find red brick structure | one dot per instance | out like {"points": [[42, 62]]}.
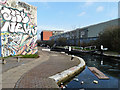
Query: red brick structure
{"points": [[45, 35]]}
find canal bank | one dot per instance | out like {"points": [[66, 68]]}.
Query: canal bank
{"points": [[108, 54], [109, 66], [92, 52], [69, 73]]}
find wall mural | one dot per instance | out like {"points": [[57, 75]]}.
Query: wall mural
{"points": [[3, 1], [18, 33]]}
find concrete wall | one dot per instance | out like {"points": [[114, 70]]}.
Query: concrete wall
{"points": [[18, 28]]}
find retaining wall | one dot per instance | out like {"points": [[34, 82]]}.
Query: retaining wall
{"points": [[67, 74]]}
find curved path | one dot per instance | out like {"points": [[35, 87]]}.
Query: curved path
{"points": [[11, 75], [38, 77]]}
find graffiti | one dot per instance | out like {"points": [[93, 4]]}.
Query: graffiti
{"points": [[18, 33], [26, 6], [3, 1], [16, 21]]}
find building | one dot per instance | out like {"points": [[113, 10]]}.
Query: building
{"points": [[18, 28], [57, 32], [86, 34], [46, 34]]}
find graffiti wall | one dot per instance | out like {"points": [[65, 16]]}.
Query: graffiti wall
{"points": [[18, 28], [0, 45]]}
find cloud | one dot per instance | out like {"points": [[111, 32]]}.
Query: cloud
{"points": [[82, 13], [88, 3], [100, 9]]}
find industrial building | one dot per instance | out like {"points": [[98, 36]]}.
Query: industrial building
{"points": [[18, 24], [86, 34], [46, 34]]}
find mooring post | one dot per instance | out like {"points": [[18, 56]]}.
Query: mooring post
{"points": [[101, 49]]}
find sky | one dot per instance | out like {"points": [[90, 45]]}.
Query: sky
{"points": [[71, 15]]}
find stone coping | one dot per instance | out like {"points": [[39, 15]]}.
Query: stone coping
{"points": [[71, 72]]}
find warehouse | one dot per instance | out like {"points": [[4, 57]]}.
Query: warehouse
{"points": [[85, 34]]}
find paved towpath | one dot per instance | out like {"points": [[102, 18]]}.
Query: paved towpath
{"points": [[35, 73], [11, 73]]}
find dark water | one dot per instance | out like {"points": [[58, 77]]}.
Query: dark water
{"points": [[109, 66]]}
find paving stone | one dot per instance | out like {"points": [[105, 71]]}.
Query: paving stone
{"points": [[38, 77], [8, 85], [35, 74]]}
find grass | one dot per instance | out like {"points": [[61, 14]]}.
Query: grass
{"points": [[25, 56], [30, 56]]}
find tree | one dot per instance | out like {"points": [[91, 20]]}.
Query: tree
{"points": [[39, 42], [110, 38], [62, 41], [51, 42]]}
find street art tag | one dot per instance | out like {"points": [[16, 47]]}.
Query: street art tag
{"points": [[3, 1], [18, 32], [16, 21]]}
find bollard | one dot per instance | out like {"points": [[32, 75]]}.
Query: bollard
{"points": [[3, 61], [18, 59]]}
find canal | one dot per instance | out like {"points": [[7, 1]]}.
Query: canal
{"points": [[109, 66]]}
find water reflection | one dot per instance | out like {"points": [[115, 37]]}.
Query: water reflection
{"points": [[109, 66], [102, 62]]}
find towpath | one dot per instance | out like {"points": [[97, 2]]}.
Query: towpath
{"points": [[35, 74]]}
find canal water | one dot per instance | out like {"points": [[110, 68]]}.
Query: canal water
{"points": [[109, 66]]}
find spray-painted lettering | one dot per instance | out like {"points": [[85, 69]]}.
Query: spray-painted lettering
{"points": [[18, 33], [16, 21]]}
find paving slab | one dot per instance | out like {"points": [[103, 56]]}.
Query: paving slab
{"points": [[11, 75], [36, 73], [38, 77]]}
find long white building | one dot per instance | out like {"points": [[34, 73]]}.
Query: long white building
{"points": [[86, 34]]}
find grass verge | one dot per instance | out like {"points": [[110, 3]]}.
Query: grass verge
{"points": [[24, 56]]}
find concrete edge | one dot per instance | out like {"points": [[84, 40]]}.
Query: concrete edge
{"points": [[45, 49], [69, 73]]}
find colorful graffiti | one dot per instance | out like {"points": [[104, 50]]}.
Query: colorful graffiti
{"points": [[18, 33], [3, 1]]}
